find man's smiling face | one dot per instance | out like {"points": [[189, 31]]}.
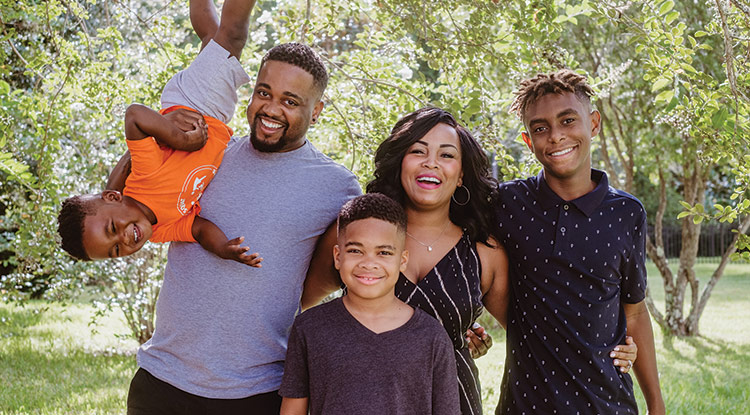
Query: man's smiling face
{"points": [[284, 104], [560, 127]]}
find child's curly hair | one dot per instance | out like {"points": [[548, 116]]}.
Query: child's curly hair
{"points": [[70, 225], [558, 82], [372, 205]]}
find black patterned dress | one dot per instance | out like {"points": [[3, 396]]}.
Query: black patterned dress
{"points": [[451, 293]]}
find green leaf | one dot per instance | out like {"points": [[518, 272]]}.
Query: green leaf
{"points": [[672, 104], [697, 219], [671, 17], [717, 121], [701, 33], [666, 7], [683, 214], [665, 96], [4, 87], [685, 204], [660, 83]]}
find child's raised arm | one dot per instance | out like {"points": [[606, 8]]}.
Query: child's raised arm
{"points": [[142, 122], [214, 240]]}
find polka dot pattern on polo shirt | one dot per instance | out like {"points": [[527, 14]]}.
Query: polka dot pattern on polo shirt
{"points": [[572, 264]]}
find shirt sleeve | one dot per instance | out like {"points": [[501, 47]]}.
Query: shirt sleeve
{"points": [[295, 382], [444, 377], [146, 156], [180, 230], [633, 271]]}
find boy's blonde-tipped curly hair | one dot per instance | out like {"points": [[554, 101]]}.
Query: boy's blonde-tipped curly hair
{"points": [[558, 82]]}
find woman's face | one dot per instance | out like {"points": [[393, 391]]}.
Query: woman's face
{"points": [[431, 168]]}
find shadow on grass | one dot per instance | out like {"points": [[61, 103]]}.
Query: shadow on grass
{"points": [[701, 375]]}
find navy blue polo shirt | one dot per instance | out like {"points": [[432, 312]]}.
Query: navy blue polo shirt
{"points": [[572, 265]]}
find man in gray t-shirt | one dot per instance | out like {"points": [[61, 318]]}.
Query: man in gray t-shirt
{"points": [[222, 327]]}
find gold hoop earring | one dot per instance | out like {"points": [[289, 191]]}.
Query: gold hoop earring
{"points": [[468, 196]]}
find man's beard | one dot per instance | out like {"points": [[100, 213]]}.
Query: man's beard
{"points": [[266, 147]]}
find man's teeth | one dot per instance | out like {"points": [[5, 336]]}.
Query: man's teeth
{"points": [[270, 124], [135, 234], [561, 152], [429, 179]]}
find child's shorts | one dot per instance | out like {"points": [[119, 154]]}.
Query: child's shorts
{"points": [[209, 85]]}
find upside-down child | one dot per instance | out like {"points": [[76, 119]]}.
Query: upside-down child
{"points": [[171, 166], [368, 352]]}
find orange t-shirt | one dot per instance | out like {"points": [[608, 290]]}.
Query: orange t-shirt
{"points": [[170, 182]]}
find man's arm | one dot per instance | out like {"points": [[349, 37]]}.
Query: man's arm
{"points": [[204, 19], [235, 23], [213, 239], [639, 326], [322, 277], [142, 122]]}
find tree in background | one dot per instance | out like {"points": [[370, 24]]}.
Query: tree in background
{"points": [[672, 85]]}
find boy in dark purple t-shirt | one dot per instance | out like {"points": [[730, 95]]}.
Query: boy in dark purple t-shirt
{"points": [[368, 352]]}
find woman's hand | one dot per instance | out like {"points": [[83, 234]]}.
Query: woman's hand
{"points": [[479, 341], [625, 355]]}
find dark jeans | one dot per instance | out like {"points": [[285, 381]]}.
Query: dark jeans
{"points": [[150, 396]]}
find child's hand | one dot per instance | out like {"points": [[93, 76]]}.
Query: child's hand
{"points": [[197, 137], [233, 250]]}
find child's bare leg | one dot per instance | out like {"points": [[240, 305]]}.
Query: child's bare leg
{"points": [[235, 23], [204, 19]]}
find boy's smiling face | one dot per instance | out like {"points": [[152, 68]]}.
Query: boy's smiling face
{"points": [[560, 127], [118, 228], [369, 256]]}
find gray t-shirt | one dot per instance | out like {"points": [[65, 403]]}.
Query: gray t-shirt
{"points": [[221, 326], [344, 368]]}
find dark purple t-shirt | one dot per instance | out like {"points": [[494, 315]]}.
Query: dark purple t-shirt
{"points": [[571, 266], [344, 368]]}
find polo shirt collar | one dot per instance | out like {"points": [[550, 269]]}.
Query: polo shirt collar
{"points": [[586, 203]]}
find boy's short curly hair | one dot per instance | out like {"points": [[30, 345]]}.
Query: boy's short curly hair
{"points": [[558, 82], [301, 56], [70, 225], [372, 205]]}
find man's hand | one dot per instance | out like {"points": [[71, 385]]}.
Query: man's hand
{"points": [[479, 341], [234, 250], [185, 119]]}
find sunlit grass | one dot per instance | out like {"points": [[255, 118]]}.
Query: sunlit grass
{"points": [[52, 363]]}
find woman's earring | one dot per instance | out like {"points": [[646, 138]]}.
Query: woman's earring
{"points": [[468, 196]]}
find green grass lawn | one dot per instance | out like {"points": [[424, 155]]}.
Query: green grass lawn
{"points": [[51, 363]]}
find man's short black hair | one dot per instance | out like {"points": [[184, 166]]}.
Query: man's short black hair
{"points": [[70, 225], [372, 205], [301, 56]]}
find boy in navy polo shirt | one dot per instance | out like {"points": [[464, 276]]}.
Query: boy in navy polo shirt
{"points": [[577, 266]]}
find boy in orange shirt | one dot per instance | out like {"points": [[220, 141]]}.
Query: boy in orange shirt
{"points": [[171, 167]]}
